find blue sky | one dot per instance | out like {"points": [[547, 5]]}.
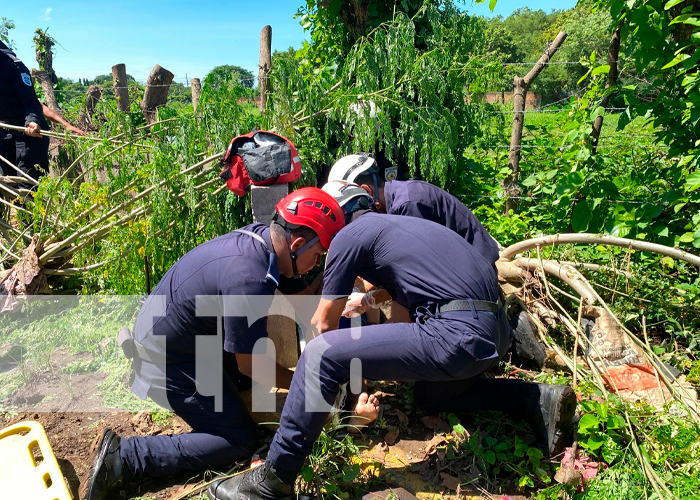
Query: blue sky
{"points": [[187, 37]]}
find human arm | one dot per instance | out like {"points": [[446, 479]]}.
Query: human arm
{"points": [[327, 315], [57, 118], [282, 378]]}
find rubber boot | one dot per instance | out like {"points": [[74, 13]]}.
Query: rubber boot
{"points": [[526, 345], [552, 419], [260, 483], [106, 472]]}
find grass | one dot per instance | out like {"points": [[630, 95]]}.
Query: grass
{"points": [[73, 325]]}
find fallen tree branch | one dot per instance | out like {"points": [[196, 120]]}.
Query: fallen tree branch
{"points": [[592, 239]]}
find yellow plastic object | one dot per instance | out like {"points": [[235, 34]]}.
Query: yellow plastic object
{"points": [[28, 467]]}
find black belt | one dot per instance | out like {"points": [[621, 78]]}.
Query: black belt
{"points": [[469, 305]]}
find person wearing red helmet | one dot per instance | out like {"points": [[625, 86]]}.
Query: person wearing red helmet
{"points": [[249, 263]]}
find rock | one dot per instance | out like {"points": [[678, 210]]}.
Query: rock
{"points": [[568, 475]]}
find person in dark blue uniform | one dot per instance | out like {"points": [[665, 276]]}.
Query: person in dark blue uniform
{"points": [[415, 199], [203, 288], [19, 106], [459, 330], [423, 200]]}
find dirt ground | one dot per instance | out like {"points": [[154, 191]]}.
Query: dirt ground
{"points": [[403, 445], [70, 407]]}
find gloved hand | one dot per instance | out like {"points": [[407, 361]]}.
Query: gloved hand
{"points": [[359, 303]]}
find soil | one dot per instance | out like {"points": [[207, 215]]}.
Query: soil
{"points": [[404, 444], [71, 434]]}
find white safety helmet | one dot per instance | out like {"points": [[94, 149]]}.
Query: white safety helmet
{"points": [[349, 167], [350, 197]]}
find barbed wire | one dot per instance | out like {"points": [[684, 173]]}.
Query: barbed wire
{"points": [[545, 198], [558, 110], [620, 145]]}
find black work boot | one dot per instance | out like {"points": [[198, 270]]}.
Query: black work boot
{"points": [[260, 483], [552, 418], [526, 345], [106, 472]]}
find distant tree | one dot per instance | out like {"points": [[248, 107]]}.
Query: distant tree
{"points": [[245, 77], [43, 45], [5, 26], [526, 27]]}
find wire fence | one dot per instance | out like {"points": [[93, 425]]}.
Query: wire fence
{"points": [[550, 108]]}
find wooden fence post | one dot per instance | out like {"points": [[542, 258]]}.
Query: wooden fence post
{"points": [[613, 55], [265, 64], [121, 87], [511, 184], [196, 86], [91, 97], [44, 78], [156, 93]]}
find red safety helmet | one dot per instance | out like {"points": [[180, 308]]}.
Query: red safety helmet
{"points": [[314, 208]]}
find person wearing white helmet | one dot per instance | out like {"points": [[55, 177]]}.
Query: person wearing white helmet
{"points": [[350, 197], [423, 200]]}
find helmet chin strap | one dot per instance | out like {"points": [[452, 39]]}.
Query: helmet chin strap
{"points": [[377, 204], [293, 254]]}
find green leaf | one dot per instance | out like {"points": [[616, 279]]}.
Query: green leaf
{"points": [[596, 441], [667, 261], [592, 57], [492, 5], [604, 68], [489, 457], [530, 181], [692, 182], [672, 3], [334, 8], [581, 216], [676, 60], [686, 238], [583, 77], [588, 421]]}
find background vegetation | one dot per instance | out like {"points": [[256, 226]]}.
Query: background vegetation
{"points": [[405, 79]]}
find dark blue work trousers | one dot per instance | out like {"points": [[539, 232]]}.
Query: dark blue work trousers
{"points": [[218, 438], [454, 346]]}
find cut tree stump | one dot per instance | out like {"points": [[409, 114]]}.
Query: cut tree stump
{"points": [[156, 93]]}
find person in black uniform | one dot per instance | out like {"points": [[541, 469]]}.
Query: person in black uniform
{"points": [[19, 106]]}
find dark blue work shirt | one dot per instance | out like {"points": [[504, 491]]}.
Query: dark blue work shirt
{"points": [[234, 264], [418, 262], [426, 201]]}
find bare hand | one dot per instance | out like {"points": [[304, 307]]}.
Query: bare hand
{"points": [[33, 129], [76, 130]]}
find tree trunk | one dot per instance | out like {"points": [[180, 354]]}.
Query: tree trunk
{"points": [[265, 64], [47, 87], [196, 86], [91, 98], [121, 87], [156, 93], [613, 54], [511, 184]]}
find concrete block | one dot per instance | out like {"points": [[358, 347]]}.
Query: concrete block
{"points": [[263, 200], [281, 330]]}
